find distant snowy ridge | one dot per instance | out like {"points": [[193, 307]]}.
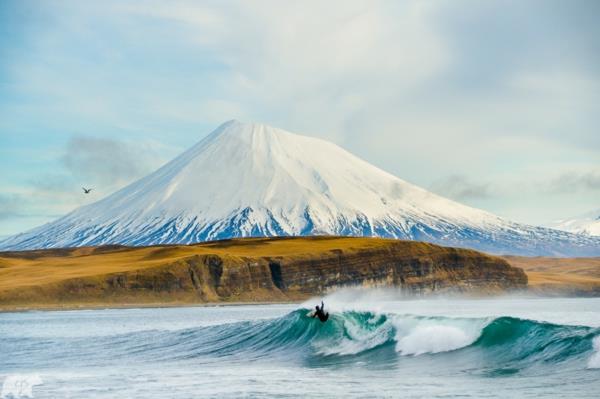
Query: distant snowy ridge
{"points": [[255, 180], [588, 223]]}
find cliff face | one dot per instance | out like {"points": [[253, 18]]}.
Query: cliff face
{"points": [[261, 270]]}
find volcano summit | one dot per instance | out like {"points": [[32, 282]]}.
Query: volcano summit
{"points": [[255, 180]]}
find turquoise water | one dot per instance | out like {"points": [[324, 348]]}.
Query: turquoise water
{"points": [[372, 346]]}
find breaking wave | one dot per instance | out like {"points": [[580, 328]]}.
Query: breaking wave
{"points": [[499, 345]]}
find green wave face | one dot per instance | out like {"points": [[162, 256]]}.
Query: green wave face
{"points": [[484, 346], [490, 346]]}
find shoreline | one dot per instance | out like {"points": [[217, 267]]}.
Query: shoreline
{"points": [[531, 293], [263, 271], [242, 271], [142, 305]]}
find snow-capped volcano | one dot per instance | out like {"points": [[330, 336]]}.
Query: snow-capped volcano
{"points": [[588, 223], [256, 180]]}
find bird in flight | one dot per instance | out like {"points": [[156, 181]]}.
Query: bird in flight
{"points": [[86, 190]]}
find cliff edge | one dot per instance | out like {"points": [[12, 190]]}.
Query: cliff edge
{"points": [[253, 269]]}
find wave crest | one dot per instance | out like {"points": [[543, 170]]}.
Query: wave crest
{"points": [[504, 342], [594, 362]]}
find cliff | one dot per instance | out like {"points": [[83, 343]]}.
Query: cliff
{"points": [[255, 269]]}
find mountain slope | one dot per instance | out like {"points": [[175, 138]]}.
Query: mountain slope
{"points": [[255, 180], [588, 223]]}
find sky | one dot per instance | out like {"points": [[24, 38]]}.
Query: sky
{"points": [[494, 104]]}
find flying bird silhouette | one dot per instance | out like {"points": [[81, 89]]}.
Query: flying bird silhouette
{"points": [[86, 190]]}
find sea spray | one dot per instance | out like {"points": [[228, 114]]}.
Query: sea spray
{"points": [[594, 362], [433, 336], [517, 348], [509, 341], [355, 332]]}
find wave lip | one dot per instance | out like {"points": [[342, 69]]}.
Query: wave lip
{"points": [[434, 338], [351, 333], [502, 345], [507, 343], [594, 362]]}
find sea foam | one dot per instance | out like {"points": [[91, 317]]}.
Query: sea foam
{"points": [[594, 362], [417, 336]]}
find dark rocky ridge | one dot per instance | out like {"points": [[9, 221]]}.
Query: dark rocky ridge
{"points": [[417, 268]]}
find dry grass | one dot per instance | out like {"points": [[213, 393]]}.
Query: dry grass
{"points": [[35, 268], [568, 275]]}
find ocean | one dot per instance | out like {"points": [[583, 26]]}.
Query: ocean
{"points": [[374, 345]]}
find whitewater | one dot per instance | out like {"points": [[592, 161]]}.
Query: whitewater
{"points": [[373, 346]]}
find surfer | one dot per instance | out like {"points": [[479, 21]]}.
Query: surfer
{"points": [[320, 313]]}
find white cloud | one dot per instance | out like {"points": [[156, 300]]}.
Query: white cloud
{"points": [[426, 90]]}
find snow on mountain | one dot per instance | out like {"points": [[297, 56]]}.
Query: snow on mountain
{"points": [[588, 223], [256, 180]]}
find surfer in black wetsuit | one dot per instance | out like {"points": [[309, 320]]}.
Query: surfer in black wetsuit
{"points": [[320, 313]]}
